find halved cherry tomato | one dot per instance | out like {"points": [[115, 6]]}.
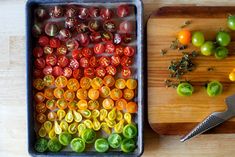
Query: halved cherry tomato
{"points": [[51, 104], [72, 105], [93, 104], [94, 12], [48, 80], [52, 116], [38, 84], [184, 37], [109, 80], [87, 52], [77, 54], [109, 47], [118, 50], [40, 63], [100, 72], [97, 83], [83, 39], [39, 97], [126, 61], [77, 73], [72, 44], [93, 62], [95, 37], [111, 70], [60, 114], [37, 73], [129, 51], [47, 50], [62, 50], [106, 13], [43, 40], [41, 118], [61, 82], [82, 93], [69, 95], [67, 72], [85, 82], [121, 104], [84, 62], [99, 48], [108, 103], [74, 64], [126, 72], [104, 61], [48, 93], [38, 52], [51, 59], [73, 84], [58, 93], [54, 43], [123, 11], [47, 70], [104, 91], [131, 84], [93, 94], [131, 107], [116, 94], [41, 108], [63, 61], [57, 71], [61, 104], [89, 72], [82, 104], [128, 94], [120, 83], [115, 60]]}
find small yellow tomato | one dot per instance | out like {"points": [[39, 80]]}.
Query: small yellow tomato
{"points": [[93, 94]]}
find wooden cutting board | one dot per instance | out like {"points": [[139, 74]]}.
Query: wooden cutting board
{"points": [[168, 113]]}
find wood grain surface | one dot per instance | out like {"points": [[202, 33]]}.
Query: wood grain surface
{"points": [[13, 102]]}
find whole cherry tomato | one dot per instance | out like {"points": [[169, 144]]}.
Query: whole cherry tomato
{"points": [[74, 64], [99, 48], [109, 47], [77, 73], [104, 61], [63, 61], [40, 63], [61, 82], [47, 70], [95, 37], [126, 61], [72, 44], [48, 50], [121, 104], [93, 62], [38, 52], [109, 26], [37, 73], [111, 70], [129, 51], [108, 103], [104, 91], [43, 41], [109, 80], [73, 84], [97, 83], [93, 94], [76, 54], [87, 52], [120, 83], [118, 50], [83, 39], [54, 43], [106, 13], [126, 27], [38, 84], [116, 94], [82, 104], [51, 59], [67, 72], [51, 104], [184, 37], [123, 10], [93, 104], [89, 72], [61, 104], [39, 97], [128, 94], [100, 72], [58, 92], [41, 118], [131, 84], [49, 93], [82, 93], [69, 95], [85, 82], [115, 60], [84, 62], [94, 12], [48, 80], [57, 71], [126, 72], [51, 116], [41, 108]]}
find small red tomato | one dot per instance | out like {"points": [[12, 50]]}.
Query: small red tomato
{"points": [[87, 52], [57, 71], [54, 43], [94, 25], [89, 72], [43, 41], [84, 62], [63, 61], [109, 26], [64, 34], [115, 60], [109, 47], [77, 73], [48, 50], [40, 63], [71, 12], [117, 39], [125, 27], [72, 44], [37, 52], [104, 61], [111, 70], [81, 28], [37, 73], [47, 70], [107, 36], [95, 37], [100, 72], [51, 59], [123, 10], [93, 62], [129, 51], [70, 23], [77, 54], [126, 72], [74, 64], [99, 48], [56, 11], [126, 61], [118, 50], [106, 13], [83, 39], [83, 13], [127, 38], [94, 12], [67, 72], [62, 50]]}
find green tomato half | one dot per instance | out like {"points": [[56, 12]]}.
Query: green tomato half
{"points": [[214, 88], [65, 138], [128, 145], [78, 145], [41, 145], [129, 131], [101, 145], [54, 145], [88, 135], [115, 140], [185, 89]]}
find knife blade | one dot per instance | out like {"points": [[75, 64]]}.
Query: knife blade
{"points": [[213, 119]]}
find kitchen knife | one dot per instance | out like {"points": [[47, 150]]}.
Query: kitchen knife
{"points": [[213, 119]]}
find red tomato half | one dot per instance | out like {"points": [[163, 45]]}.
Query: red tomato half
{"points": [[123, 10], [126, 72], [67, 72], [115, 60], [89, 72], [47, 70], [54, 43], [119, 50], [106, 13], [99, 48], [87, 52], [109, 47], [63, 61], [126, 61], [38, 52], [93, 62], [111, 70], [76, 54], [77, 73], [74, 64], [43, 41], [84, 62], [100, 72], [57, 71], [51, 59], [104, 61], [129, 51], [37, 73], [40, 63]]}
